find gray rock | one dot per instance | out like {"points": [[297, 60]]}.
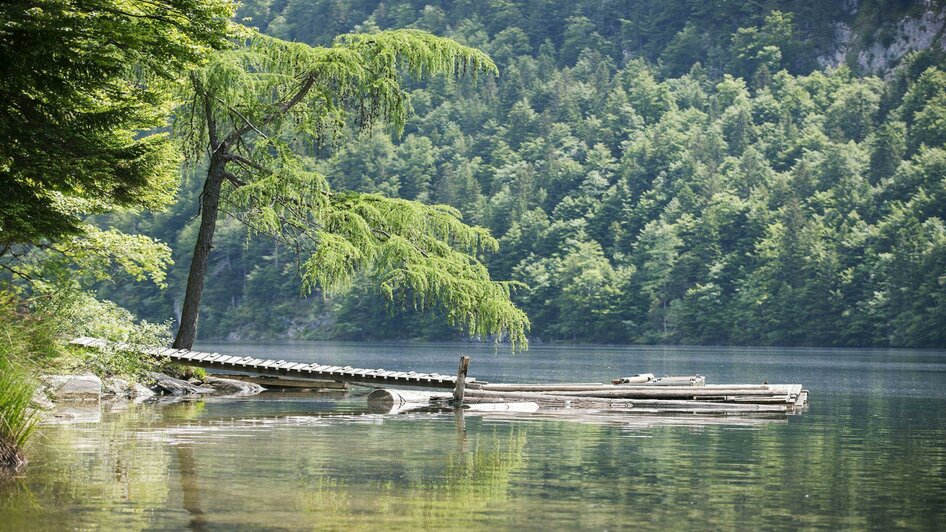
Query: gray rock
{"points": [[116, 388], [40, 400], [233, 386], [142, 392], [85, 387], [167, 385], [119, 388]]}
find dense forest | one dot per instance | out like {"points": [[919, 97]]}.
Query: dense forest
{"points": [[653, 171]]}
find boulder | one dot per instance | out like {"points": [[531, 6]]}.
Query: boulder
{"points": [[117, 388], [167, 385], [233, 386], [86, 387], [142, 392]]}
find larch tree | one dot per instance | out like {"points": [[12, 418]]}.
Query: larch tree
{"points": [[250, 111]]}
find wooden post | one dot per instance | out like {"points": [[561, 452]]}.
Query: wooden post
{"points": [[461, 380]]}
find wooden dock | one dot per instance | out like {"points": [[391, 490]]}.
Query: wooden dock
{"points": [[294, 370], [638, 394]]}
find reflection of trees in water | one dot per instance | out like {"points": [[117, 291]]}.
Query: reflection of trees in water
{"points": [[853, 463], [475, 480], [190, 489], [102, 468]]}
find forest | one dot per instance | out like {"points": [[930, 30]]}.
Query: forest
{"points": [[630, 172], [654, 172]]}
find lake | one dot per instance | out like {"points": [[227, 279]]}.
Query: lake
{"points": [[869, 453]]}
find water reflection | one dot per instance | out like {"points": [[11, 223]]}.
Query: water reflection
{"points": [[190, 490], [294, 460]]}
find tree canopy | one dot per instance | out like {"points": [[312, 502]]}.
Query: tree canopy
{"points": [[81, 82], [251, 109], [696, 176]]}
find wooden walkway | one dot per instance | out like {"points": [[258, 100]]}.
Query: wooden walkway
{"points": [[296, 370]]}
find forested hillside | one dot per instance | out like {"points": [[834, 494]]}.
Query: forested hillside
{"points": [[654, 171]]}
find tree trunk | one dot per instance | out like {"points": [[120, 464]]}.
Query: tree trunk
{"points": [[210, 203]]}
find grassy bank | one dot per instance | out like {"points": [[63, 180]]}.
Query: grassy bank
{"points": [[17, 419], [26, 340], [33, 340]]}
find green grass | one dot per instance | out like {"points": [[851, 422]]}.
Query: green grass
{"points": [[18, 420], [26, 342], [33, 339]]}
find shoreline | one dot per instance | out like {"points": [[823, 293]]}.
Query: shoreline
{"points": [[77, 398]]}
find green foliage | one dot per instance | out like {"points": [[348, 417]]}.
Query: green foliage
{"points": [[749, 198], [17, 419], [81, 314], [252, 105], [25, 342], [81, 83]]}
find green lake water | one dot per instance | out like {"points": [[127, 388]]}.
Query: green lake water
{"points": [[869, 453]]}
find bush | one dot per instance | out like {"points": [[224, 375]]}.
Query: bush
{"points": [[70, 314]]}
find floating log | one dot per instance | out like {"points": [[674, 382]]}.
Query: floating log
{"points": [[386, 398], [696, 380], [648, 379], [635, 379]]}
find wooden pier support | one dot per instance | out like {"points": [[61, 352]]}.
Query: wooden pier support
{"points": [[461, 380]]}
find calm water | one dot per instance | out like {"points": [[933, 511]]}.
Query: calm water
{"points": [[869, 453]]}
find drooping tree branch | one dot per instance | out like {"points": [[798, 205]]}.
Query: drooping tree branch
{"points": [[278, 92]]}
